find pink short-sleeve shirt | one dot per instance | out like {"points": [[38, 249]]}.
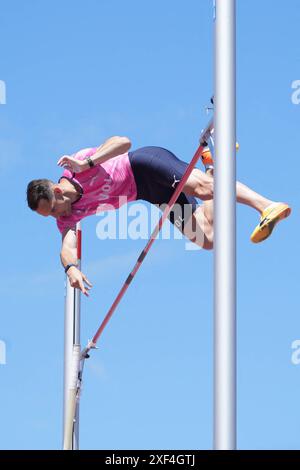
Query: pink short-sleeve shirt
{"points": [[106, 186]]}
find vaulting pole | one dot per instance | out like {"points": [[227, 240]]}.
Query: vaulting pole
{"points": [[225, 228], [72, 356]]}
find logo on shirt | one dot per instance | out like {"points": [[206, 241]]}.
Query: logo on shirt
{"points": [[105, 189], [175, 181], [102, 192]]}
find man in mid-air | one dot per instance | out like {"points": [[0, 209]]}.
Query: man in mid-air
{"points": [[103, 178]]}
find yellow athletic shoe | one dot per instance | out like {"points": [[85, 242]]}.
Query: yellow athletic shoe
{"points": [[269, 218]]}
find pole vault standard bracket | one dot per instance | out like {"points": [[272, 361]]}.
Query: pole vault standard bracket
{"points": [[208, 109], [206, 133]]}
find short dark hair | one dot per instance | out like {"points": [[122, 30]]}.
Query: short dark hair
{"points": [[38, 189]]}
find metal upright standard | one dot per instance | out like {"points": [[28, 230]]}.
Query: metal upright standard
{"points": [[72, 359], [225, 229]]}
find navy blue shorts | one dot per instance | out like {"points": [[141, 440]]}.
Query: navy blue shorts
{"points": [[157, 172]]}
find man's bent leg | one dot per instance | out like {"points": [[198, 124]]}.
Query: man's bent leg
{"points": [[198, 228], [270, 212], [201, 185]]}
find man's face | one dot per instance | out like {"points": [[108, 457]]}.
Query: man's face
{"points": [[59, 206]]}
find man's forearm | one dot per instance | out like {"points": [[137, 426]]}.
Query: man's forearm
{"points": [[110, 149], [68, 256]]}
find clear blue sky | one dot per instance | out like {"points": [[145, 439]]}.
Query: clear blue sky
{"points": [[77, 73]]}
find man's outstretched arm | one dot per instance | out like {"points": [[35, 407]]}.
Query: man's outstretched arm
{"points": [[111, 148], [68, 255]]}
